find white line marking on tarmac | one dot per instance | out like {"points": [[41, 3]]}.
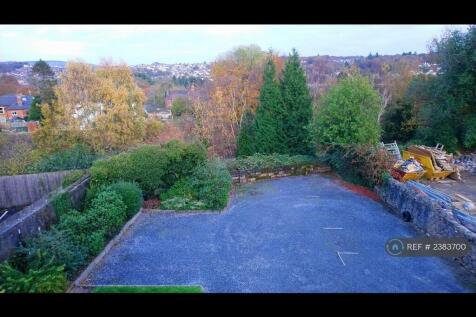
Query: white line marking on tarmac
{"points": [[344, 252]]}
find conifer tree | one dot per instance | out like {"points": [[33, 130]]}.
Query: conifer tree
{"points": [[268, 125], [246, 140], [297, 106]]}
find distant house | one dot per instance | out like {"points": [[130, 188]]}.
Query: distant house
{"points": [[14, 107], [154, 111], [170, 96], [165, 114]]}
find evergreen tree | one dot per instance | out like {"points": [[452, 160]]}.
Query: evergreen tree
{"points": [[43, 77], [35, 112], [245, 142], [297, 106], [268, 126]]}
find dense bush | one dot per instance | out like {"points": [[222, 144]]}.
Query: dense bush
{"points": [[365, 165], [154, 168], [207, 188], [77, 157], [42, 277], [58, 245], [260, 161], [61, 204], [131, 196], [99, 222]]}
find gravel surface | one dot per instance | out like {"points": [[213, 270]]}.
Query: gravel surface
{"points": [[295, 234]]}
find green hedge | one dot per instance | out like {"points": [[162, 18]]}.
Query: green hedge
{"points": [[154, 168], [261, 161], [207, 188], [131, 196]]}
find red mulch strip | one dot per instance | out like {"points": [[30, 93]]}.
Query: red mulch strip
{"points": [[153, 203], [360, 190]]}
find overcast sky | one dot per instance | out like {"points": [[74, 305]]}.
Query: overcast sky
{"points": [[136, 44]]}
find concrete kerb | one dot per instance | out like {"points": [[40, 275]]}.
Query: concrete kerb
{"points": [[95, 262]]}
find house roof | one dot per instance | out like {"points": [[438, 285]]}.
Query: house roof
{"points": [[150, 108], [10, 101]]}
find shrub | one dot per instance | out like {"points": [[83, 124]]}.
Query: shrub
{"points": [[107, 213], [470, 133], [182, 203], [154, 168], [206, 188], [366, 165], [58, 245], [77, 157], [95, 225], [72, 177], [261, 161], [45, 277], [131, 196], [61, 204]]}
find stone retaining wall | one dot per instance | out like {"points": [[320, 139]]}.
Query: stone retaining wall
{"points": [[254, 175], [34, 218], [427, 216]]}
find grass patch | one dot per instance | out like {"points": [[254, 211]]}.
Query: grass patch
{"points": [[148, 289]]}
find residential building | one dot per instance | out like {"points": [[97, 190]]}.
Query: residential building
{"points": [[14, 107]]}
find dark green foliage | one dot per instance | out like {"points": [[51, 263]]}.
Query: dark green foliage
{"points": [[43, 77], [58, 245], [271, 118], [42, 277], [246, 138], [399, 122], [77, 157], [107, 213], [263, 162], [348, 114], [153, 168], [448, 101], [102, 220], [366, 165], [61, 204], [469, 140], [297, 106], [207, 188], [34, 114], [131, 196]]}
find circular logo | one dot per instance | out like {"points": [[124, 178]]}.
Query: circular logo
{"points": [[394, 247]]}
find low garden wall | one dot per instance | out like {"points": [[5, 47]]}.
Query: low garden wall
{"points": [[260, 174], [34, 218], [427, 216]]}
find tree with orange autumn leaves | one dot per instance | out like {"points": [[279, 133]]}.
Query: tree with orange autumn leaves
{"points": [[236, 79], [102, 107]]}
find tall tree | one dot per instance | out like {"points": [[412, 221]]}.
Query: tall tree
{"points": [[270, 117], [233, 91], [447, 101], [297, 106], [348, 114], [43, 77], [102, 107]]}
